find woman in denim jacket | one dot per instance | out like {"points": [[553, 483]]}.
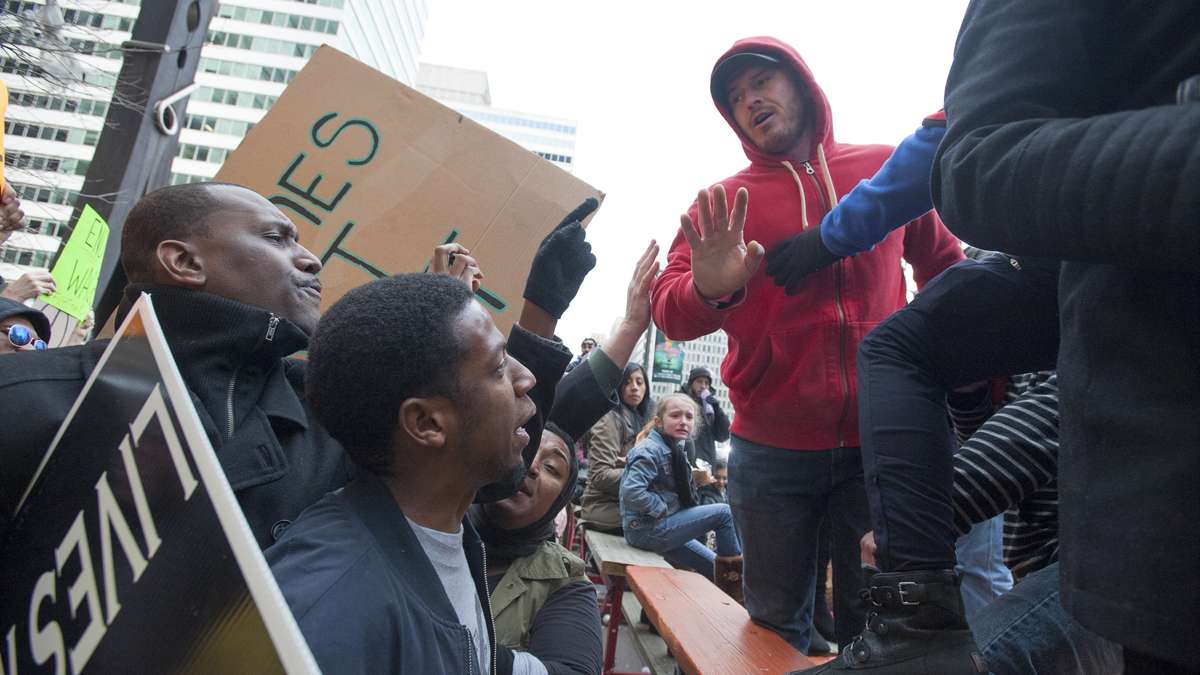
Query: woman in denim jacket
{"points": [[659, 509]]}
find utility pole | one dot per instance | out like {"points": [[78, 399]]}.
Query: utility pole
{"points": [[648, 357], [141, 130]]}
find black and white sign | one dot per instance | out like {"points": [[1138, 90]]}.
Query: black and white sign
{"points": [[129, 552]]}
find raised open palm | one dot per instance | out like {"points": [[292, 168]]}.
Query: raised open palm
{"points": [[722, 261]]}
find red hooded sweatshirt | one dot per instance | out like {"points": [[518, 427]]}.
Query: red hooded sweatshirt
{"points": [[790, 367]]}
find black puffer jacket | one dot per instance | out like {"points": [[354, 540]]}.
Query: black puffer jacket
{"points": [[1066, 141]]}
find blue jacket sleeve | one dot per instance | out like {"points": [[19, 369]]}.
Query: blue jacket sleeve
{"points": [[896, 194], [636, 494]]}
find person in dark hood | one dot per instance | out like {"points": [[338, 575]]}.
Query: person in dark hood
{"points": [[712, 426], [25, 328], [795, 457], [542, 601], [608, 443]]}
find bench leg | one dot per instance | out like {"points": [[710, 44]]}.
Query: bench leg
{"points": [[569, 532], [583, 555], [616, 617], [581, 541]]}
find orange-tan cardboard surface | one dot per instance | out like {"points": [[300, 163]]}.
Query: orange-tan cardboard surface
{"points": [[375, 174]]}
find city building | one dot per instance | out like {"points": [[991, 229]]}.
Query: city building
{"points": [[467, 91], [254, 49], [707, 351]]}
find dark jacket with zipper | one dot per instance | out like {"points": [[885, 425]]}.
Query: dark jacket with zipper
{"points": [[358, 581], [365, 594], [249, 397], [1066, 141]]}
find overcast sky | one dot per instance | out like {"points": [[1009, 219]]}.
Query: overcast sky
{"points": [[634, 75]]}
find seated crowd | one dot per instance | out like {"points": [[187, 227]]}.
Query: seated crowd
{"points": [[976, 516]]}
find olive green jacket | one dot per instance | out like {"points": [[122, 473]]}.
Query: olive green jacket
{"points": [[526, 586]]}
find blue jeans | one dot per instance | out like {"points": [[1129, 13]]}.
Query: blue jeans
{"points": [[980, 554], [1027, 631], [779, 498], [675, 537]]}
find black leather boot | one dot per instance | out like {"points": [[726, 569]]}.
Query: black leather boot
{"points": [[915, 626]]}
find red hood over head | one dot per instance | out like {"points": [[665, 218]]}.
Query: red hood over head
{"points": [[822, 120]]}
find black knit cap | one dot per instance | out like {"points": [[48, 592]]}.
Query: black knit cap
{"points": [[10, 308], [697, 373]]}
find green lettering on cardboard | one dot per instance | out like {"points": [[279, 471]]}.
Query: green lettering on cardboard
{"points": [[309, 193], [345, 125]]}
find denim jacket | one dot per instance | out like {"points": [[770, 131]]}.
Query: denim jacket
{"points": [[648, 483]]}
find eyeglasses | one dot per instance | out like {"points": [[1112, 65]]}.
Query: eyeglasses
{"points": [[20, 337]]}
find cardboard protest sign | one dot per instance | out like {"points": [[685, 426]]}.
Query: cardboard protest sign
{"points": [[128, 552], [375, 174]]}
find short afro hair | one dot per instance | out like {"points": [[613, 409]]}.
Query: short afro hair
{"points": [[174, 212], [381, 344]]}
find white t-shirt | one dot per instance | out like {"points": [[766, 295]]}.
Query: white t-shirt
{"points": [[445, 552]]}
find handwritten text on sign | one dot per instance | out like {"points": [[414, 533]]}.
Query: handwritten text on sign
{"points": [[305, 202], [77, 269]]}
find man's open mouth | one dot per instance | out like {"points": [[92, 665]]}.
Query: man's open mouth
{"points": [[761, 117]]}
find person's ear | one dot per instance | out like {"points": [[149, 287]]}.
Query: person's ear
{"points": [[425, 421], [179, 264]]}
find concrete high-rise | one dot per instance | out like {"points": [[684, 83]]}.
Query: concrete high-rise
{"points": [[468, 92], [708, 351], [254, 49]]}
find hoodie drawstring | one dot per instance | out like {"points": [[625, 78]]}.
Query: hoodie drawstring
{"points": [[800, 188], [833, 198], [830, 192]]}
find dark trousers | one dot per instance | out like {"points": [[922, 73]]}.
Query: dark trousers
{"points": [[976, 320], [779, 498]]}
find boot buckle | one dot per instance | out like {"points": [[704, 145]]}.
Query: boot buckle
{"points": [[907, 588]]}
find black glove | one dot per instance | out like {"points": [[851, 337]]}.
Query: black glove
{"points": [[796, 258], [562, 262]]}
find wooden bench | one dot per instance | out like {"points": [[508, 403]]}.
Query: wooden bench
{"points": [[706, 631], [613, 555]]}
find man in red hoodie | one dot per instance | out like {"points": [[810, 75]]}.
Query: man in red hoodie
{"points": [[790, 368]]}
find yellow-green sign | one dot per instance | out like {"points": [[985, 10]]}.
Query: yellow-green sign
{"points": [[77, 270]]}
